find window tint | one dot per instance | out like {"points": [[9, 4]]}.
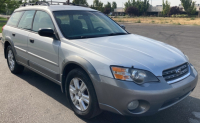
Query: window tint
{"points": [[42, 21], [26, 20], [14, 19], [86, 24], [81, 19]]}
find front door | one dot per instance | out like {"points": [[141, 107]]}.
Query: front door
{"points": [[43, 51]]}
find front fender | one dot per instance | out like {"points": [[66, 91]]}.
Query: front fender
{"points": [[84, 64]]}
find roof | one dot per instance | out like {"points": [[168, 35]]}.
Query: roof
{"points": [[55, 8]]}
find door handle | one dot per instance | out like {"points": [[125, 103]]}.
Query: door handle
{"points": [[31, 40], [13, 34]]}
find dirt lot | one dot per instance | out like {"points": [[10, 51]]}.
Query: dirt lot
{"points": [[161, 20]]}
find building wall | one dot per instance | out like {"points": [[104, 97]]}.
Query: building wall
{"points": [[157, 8]]}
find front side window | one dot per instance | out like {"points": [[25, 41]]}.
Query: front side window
{"points": [[14, 19], [26, 20], [86, 24], [42, 21]]}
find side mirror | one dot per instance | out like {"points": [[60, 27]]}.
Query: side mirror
{"points": [[46, 33], [123, 27]]}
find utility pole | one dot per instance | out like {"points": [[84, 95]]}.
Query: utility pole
{"points": [[199, 13]]}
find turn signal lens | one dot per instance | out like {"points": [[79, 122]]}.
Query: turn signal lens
{"points": [[121, 73], [132, 74]]}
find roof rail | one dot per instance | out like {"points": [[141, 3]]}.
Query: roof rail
{"points": [[48, 3], [65, 3], [43, 3]]}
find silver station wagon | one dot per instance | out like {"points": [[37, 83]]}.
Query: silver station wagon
{"points": [[97, 63]]}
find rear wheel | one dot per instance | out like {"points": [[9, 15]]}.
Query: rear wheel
{"points": [[81, 94], [12, 64]]}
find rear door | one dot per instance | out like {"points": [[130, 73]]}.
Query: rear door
{"points": [[43, 51], [20, 36]]}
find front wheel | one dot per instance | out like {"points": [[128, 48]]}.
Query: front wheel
{"points": [[12, 64], [81, 94]]}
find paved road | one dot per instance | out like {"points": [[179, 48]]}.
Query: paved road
{"points": [[4, 16], [31, 98]]}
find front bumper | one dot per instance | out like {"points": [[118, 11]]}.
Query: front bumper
{"points": [[114, 95]]}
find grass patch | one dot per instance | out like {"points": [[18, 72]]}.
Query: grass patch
{"points": [[161, 20], [3, 19], [176, 24], [139, 21], [1, 25], [195, 24]]}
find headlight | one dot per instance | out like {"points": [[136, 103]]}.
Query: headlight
{"points": [[131, 74]]}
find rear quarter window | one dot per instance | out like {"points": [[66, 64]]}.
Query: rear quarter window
{"points": [[14, 19], [26, 20]]}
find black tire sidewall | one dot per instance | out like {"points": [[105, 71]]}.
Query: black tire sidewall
{"points": [[78, 73], [10, 48]]}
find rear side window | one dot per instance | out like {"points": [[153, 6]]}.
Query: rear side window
{"points": [[26, 20], [14, 19], [42, 20]]}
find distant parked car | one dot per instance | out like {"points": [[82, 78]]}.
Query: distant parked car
{"points": [[97, 63]]}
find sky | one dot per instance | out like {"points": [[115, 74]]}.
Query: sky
{"points": [[120, 3]]}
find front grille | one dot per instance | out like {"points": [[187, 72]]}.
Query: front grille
{"points": [[176, 73]]}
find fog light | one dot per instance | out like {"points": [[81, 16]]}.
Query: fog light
{"points": [[133, 105]]}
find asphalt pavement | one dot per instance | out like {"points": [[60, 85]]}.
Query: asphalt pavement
{"points": [[31, 98]]}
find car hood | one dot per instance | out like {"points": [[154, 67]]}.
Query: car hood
{"points": [[135, 51]]}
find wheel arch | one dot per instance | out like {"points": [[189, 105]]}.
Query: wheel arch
{"points": [[73, 62], [8, 42]]}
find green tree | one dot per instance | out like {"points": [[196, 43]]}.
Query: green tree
{"points": [[189, 6], [12, 5], [166, 8], [98, 5], [129, 4], [8, 6], [80, 2], [114, 6], [142, 6], [2, 6], [108, 5], [107, 8]]}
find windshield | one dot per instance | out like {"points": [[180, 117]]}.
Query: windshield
{"points": [[86, 24]]}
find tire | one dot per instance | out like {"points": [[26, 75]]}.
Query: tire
{"points": [[14, 67], [91, 108]]}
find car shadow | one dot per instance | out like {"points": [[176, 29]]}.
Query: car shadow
{"points": [[187, 111]]}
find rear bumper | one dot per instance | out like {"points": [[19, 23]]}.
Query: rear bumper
{"points": [[114, 95]]}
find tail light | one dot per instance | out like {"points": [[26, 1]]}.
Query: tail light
{"points": [[2, 28]]}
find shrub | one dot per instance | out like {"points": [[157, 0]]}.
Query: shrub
{"points": [[138, 21], [107, 11], [132, 11], [174, 10]]}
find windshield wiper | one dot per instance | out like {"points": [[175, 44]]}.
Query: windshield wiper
{"points": [[120, 33]]}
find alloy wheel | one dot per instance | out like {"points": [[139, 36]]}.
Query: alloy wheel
{"points": [[79, 94], [11, 60]]}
